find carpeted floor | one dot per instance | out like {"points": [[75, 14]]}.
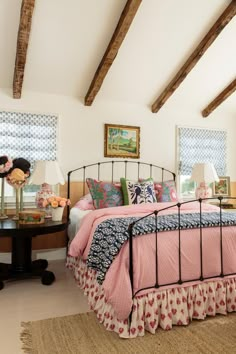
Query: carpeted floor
{"points": [[83, 334]]}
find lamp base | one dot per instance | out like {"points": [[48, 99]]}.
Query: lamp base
{"points": [[44, 193], [203, 191]]}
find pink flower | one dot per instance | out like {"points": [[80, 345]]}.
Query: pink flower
{"points": [[62, 203]]}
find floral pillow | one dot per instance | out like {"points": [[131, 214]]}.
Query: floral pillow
{"points": [[105, 194], [138, 192], [166, 191]]}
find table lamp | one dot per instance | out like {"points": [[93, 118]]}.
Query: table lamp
{"points": [[203, 174], [46, 173]]}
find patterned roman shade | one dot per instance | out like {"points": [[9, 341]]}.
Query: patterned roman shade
{"points": [[27, 135], [202, 145]]}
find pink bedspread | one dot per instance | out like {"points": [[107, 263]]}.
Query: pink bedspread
{"points": [[117, 286]]}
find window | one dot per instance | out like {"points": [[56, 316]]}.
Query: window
{"points": [[196, 145], [27, 135]]}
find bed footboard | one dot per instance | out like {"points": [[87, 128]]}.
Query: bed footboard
{"points": [[180, 222]]}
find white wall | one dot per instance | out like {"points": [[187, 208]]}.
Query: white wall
{"points": [[81, 130]]}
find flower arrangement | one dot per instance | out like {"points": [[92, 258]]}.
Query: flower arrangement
{"points": [[5, 165], [18, 175], [56, 202]]}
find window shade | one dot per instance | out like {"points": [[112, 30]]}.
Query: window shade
{"points": [[202, 145], [27, 135]]}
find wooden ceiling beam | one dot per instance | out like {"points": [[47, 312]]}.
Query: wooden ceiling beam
{"points": [[220, 98], [209, 38], [27, 8], [119, 34]]}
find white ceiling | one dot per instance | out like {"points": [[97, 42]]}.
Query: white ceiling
{"points": [[68, 39]]}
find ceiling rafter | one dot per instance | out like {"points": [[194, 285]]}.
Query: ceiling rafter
{"points": [[220, 98], [209, 38], [119, 34], [27, 8]]}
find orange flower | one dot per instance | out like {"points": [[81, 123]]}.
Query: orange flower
{"points": [[50, 199], [56, 201], [54, 204]]}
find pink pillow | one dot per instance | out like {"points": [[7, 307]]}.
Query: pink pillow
{"points": [[166, 191], [85, 203]]}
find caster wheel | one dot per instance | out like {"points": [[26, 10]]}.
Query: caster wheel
{"points": [[1, 285], [39, 266], [47, 278], [43, 263]]}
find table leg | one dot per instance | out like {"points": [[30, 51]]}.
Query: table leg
{"points": [[21, 254], [22, 266]]}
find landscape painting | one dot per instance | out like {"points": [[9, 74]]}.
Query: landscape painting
{"points": [[121, 141]]}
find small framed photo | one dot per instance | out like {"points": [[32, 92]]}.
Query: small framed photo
{"points": [[222, 188], [121, 141]]}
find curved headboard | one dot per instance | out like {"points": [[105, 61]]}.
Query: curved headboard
{"points": [[137, 168]]}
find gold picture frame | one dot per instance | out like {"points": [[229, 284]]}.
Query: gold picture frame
{"points": [[221, 188], [122, 141]]}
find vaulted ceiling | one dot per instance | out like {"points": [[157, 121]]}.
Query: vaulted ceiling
{"points": [[144, 51]]}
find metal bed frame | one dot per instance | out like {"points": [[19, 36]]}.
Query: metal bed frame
{"points": [[156, 213], [137, 164]]}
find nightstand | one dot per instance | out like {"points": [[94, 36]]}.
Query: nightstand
{"points": [[22, 266], [225, 205]]}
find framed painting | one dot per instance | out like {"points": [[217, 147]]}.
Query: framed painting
{"points": [[122, 141], [222, 188]]}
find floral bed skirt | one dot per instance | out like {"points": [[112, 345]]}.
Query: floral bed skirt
{"points": [[159, 308]]}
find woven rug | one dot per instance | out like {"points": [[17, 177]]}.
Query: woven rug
{"points": [[83, 334]]}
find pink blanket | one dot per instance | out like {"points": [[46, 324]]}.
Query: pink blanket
{"points": [[117, 286]]}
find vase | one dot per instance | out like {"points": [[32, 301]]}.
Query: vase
{"points": [[18, 196], [57, 213], [203, 191]]}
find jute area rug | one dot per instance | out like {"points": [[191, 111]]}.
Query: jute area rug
{"points": [[83, 334]]}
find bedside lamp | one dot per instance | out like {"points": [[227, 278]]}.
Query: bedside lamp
{"points": [[46, 173], [203, 174]]}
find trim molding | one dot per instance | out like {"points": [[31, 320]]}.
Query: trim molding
{"points": [[48, 254]]}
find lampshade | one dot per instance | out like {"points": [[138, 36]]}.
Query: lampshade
{"points": [[47, 172], [204, 172]]}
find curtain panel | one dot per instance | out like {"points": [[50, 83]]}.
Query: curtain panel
{"points": [[28, 135], [202, 145]]}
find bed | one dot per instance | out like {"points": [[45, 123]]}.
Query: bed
{"points": [[149, 265]]}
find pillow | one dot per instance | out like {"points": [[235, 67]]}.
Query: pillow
{"points": [[85, 203], [104, 194], [138, 192], [166, 191]]}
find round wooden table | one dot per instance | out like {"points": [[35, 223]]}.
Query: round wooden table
{"points": [[22, 266]]}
